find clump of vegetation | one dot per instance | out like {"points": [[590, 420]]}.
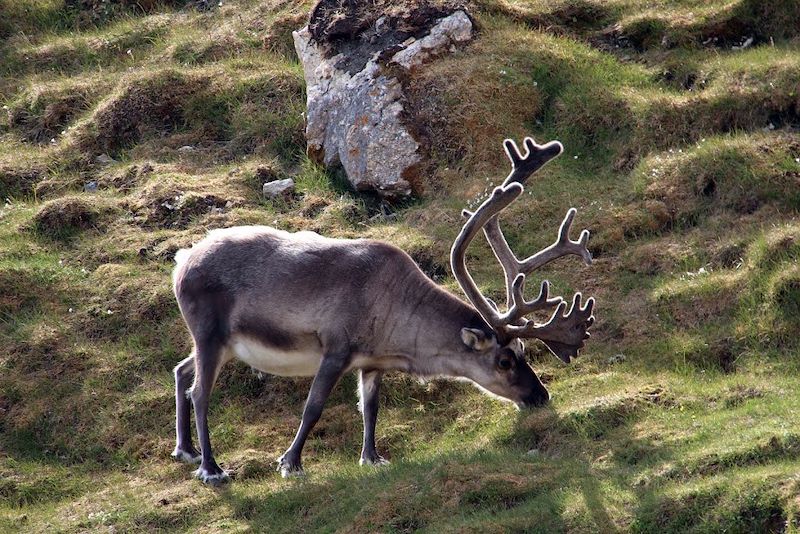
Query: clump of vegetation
{"points": [[19, 181], [723, 24], [124, 298], [42, 113], [63, 217], [278, 38], [140, 107], [785, 291], [454, 98], [91, 13]]}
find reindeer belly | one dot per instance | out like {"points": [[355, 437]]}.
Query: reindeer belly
{"points": [[275, 361]]}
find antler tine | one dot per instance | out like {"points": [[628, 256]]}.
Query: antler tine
{"points": [[562, 247], [500, 198], [581, 243], [565, 333], [536, 156], [522, 307]]}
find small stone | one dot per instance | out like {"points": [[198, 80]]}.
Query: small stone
{"points": [[617, 358], [534, 453], [278, 188], [186, 148], [90, 187], [744, 45], [105, 159]]}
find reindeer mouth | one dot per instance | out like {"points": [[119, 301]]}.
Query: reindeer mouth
{"points": [[534, 401]]}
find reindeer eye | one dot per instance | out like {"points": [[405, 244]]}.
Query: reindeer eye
{"points": [[505, 363]]}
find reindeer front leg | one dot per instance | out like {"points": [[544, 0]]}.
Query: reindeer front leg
{"points": [[369, 383], [330, 370]]}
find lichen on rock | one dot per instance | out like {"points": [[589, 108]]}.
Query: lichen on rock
{"points": [[356, 60]]}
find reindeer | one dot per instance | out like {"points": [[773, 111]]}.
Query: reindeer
{"points": [[299, 304]]}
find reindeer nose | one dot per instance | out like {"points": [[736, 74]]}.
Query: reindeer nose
{"points": [[535, 400]]}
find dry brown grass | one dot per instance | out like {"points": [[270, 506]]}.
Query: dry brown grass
{"points": [[467, 103]]}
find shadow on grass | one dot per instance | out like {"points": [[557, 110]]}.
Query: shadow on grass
{"points": [[506, 485]]}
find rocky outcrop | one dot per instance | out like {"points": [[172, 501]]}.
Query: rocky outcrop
{"points": [[356, 115]]}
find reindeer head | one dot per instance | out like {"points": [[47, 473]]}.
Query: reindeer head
{"points": [[564, 333]]}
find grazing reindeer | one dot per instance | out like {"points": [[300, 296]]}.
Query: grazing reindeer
{"points": [[305, 305]]}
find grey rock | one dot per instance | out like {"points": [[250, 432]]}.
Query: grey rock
{"points": [[746, 44], [90, 187], [617, 358], [356, 119], [456, 28], [278, 188], [186, 148], [105, 159]]}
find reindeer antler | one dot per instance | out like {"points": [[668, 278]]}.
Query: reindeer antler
{"points": [[522, 167], [564, 334]]}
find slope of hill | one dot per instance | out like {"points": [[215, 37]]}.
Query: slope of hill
{"points": [[680, 121]]}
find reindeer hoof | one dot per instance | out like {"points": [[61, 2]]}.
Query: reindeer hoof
{"points": [[214, 479], [289, 468], [377, 461], [189, 457]]}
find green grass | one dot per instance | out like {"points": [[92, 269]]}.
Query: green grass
{"points": [[680, 416]]}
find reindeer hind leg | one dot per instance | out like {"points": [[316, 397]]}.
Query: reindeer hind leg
{"points": [[209, 359], [184, 450]]}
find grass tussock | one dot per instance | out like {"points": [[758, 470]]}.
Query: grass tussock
{"points": [[153, 105], [44, 112], [64, 217]]}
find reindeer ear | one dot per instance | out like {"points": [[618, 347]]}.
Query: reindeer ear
{"points": [[477, 339]]}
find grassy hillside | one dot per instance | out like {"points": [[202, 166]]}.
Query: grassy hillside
{"points": [[682, 156]]}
